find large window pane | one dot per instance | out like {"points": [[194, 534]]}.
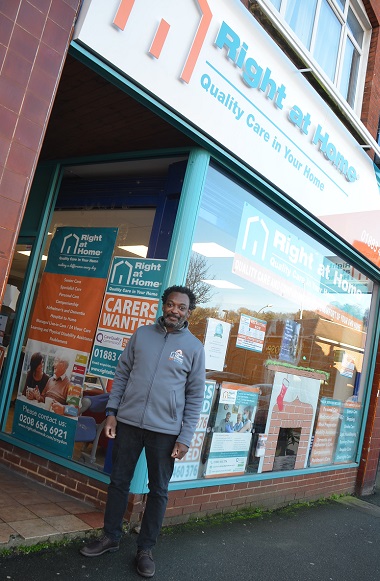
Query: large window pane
{"points": [[349, 73], [327, 40], [284, 322], [354, 27], [300, 16]]}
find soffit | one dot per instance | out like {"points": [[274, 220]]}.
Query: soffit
{"points": [[90, 116]]}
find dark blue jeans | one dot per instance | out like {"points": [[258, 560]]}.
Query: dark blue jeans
{"points": [[129, 444]]}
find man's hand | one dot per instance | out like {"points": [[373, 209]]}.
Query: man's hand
{"points": [[179, 451], [110, 427]]}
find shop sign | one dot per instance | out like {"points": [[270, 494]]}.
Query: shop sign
{"points": [[131, 300], [213, 64], [62, 331]]}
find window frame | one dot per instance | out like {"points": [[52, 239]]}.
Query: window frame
{"points": [[333, 87]]}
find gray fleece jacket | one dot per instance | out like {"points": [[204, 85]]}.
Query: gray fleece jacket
{"points": [[160, 381]]}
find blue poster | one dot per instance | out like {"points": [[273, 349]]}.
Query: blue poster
{"points": [[42, 428]]}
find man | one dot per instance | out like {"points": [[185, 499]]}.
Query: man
{"points": [[155, 404], [57, 386], [225, 425]]}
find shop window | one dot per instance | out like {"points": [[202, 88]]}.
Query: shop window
{"points": [[340, 54], [284, 324], [104, 258]]}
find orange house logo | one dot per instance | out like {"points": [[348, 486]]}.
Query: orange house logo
{"points": [[121, 19]]}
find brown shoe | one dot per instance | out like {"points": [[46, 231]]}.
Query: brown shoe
{"points": [[100, 546], [144, 563]]}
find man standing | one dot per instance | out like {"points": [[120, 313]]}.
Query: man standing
{"points": [[155, 404]]}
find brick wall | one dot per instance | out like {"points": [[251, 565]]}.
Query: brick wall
{"points": [[34, 38], [371, 100], [265, 494], [185, 504]]}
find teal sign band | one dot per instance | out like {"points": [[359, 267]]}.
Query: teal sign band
{"points": [[81, 251]]}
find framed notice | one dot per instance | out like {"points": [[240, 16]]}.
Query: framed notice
{"points": [[251, 333]]}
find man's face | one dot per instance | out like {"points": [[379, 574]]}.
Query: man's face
{"points": [[59, 367], [175, 311], [228, 416]]}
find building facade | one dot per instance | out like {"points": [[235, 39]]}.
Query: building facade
{"points": [[231, 146]]}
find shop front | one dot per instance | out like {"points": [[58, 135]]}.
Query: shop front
{"points": [[246, 200]]}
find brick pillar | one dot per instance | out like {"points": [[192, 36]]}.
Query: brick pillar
{"points": [[34, 39]]}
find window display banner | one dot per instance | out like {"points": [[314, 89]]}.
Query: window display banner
{"points": [[61, 333], [251, 333], [271, 256], [349, 433], [231, 438], [188, 467], [131, 300], [326, 432], [216, 342]]}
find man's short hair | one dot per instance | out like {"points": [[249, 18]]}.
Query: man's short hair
{"points": [[61, 358], [183, 290]]}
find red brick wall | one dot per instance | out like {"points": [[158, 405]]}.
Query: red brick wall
{"points": [[184, 504], [265, 494], [371, 446], [371, 100], [34, 38]]}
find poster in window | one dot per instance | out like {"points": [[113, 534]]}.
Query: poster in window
{"points": [[289, 343], [251, 333], [348, 433], [188, 467], [131, 300], [216, 342], [232, 432], [326, 432], [60, 337]]}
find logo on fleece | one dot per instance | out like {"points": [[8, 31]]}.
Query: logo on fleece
{"points": [[176, 356]]}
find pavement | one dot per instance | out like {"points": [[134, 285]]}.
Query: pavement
{"points": [[336, 540], [31, 513]]}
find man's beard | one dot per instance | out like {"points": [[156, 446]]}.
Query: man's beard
{"points": [[173, 324]]}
